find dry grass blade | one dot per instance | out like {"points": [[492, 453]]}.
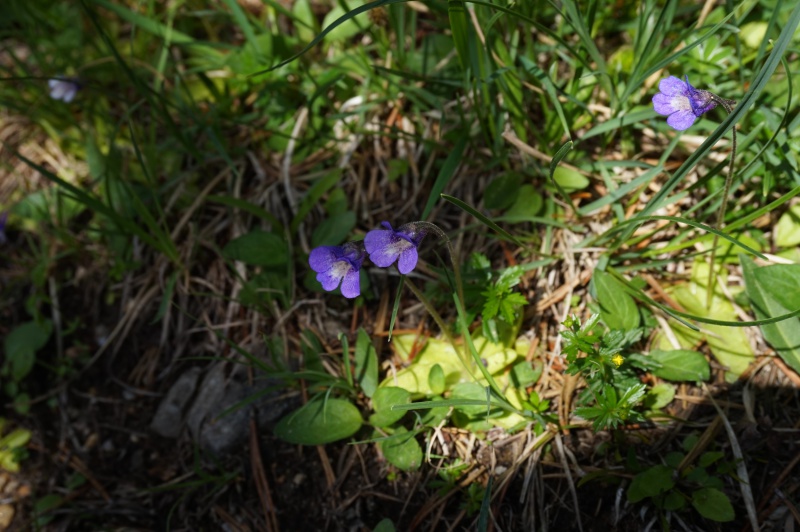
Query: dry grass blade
{"points": [[741, 466]]}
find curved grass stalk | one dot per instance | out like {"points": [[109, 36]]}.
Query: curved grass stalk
{"points": [[728, 106]]}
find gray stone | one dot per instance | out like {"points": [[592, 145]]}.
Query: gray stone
{"points": [[168, 420]]}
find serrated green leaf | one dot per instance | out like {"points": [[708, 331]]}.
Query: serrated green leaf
{"points": [[320, 421]]}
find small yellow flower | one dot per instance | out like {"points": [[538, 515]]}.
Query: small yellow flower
{"points": [[617, 359]]}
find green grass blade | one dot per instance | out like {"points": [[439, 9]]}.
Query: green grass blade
{"points": [[483, 219], [446, 173], [560, 154]]}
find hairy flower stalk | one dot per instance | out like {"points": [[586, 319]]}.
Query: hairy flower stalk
{"points": [[683, 104], [728, 105]]}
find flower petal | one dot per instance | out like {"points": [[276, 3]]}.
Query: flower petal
{"points": [[673, 86], [329, 279], [663, 104], [350, 284], [681, 120], [321, 259], [384, 247], [408, 260]]}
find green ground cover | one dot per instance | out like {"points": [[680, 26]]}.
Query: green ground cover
{"points": [[399, 265]]}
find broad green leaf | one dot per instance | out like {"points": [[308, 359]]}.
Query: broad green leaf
{"points": [[680, 365], [320, 421], [674, 501], [525, 373], [782, 282], [333, 230], [385, 525], [787, 230], [713, 504], [650, 483], [570, 180], [528, 203], [21, 344], [436, 380], [383, 400], [502, 191], [402, 450], [472, 391], [729, 345], [659, 396], [258, 248], [366, 363], [617, 309], [783, 336]]}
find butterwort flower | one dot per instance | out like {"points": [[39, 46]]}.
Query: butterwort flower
{"points": [[63, 89], [388, 245], [682, 102], [335, 264]]}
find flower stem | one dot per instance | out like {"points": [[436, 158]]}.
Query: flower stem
{"points": [[728, 106], [453, 257]]}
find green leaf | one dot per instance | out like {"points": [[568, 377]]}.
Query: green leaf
{"points": [[713, 504], [680, 365], [525, 373], [502, 191], [471, 391], [570, 180], [385, 525], [674, 500], [782, 282], [527, 204], [436, 380], [258, 248], [383, 400], [402, 450], [21, 345], [320, 421], [659, 396], [366, 363], [333, 230], [783, 336], [651, 483], [617, 309], [449, 167], [787, 230]]}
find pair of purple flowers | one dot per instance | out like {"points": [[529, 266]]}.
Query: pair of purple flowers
{"points": [[341, 264], [683, 104]]}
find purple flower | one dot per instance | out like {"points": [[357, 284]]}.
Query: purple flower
{"points": [[388, 245], [3, 218], [63, 89], [338, 263], [682, 102]]}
